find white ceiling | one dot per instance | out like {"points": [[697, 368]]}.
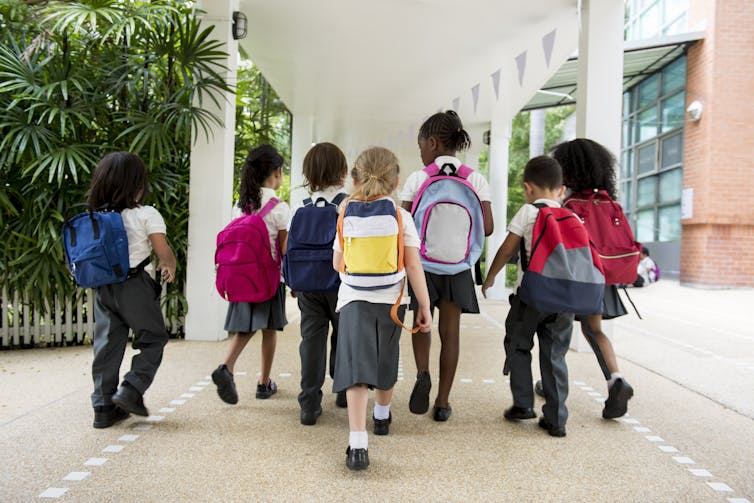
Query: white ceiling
{"points": [[369, 72]]}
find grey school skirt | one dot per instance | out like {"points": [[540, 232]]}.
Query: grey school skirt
{"points": [[246, 317], [368, 346]]}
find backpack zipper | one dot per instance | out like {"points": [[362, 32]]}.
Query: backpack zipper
{"points": [[619, 256]]}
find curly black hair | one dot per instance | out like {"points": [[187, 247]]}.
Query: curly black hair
{"points": [[261, 162], [448, 129], [587, 165]]}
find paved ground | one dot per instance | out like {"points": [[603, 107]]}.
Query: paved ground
{"points": [[689, 435]]}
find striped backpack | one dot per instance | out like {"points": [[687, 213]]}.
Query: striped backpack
{"points": [[448, 215], [564, 273]]}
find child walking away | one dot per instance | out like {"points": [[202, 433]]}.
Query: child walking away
{"points": [[132, 302], [376, 249], [559, 273], [589, 175], [647, 271], [308, 271], [450, 204], [248, 269]]}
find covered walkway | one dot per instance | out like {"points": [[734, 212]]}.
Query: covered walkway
{"points": [[689, 436]]}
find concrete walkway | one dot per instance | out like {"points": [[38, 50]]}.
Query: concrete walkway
{"points": [[689, 435]]}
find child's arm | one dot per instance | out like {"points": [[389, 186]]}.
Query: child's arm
{"points": [[164, 253], [336, 258], [503, 255], [489, 223], [283, 240], [415, 273], [406, 205]]}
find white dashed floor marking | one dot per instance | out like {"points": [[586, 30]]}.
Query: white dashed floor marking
{"points": [[177, 402], [76, 476], [467, 380], [196, 388], [113, 448], [720, 486], [95, 462], [167, 409], [128, 438], [699, 472], [54, 492], [187, 395]]}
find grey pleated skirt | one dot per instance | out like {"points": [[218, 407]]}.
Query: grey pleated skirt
{"points": [[246, 317], [368, 346]]}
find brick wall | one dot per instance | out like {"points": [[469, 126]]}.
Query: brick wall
{"points": [[717, 247]]}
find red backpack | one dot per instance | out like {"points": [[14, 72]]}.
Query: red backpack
{"points": [[610, 232], [246, 270]]}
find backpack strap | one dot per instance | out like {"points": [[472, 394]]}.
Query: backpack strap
{"points": [[268, 207], [432, 170], [134, 271], [522, 246], [308, 201], [339, 198]]}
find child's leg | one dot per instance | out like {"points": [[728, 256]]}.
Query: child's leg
{"points": [[315, 326], [237, 345], [358, 396], [449, 326], [269, 341], [520, 325], [383, 397], [420, 342], [554, 339], [591, 327], [109, 344]]}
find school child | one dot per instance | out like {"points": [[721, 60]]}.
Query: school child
{"points": [[374, 238], [440, 137], [543, 184], [325, 168], [646, 271], [119, 183], [261, 177], [588, 166]]}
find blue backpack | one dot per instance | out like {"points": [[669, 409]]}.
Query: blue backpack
{"points": [[307, 265], [96, 248]]}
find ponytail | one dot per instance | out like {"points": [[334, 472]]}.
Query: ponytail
{"points": [[375, 173], [448, 129], [261, 162]]}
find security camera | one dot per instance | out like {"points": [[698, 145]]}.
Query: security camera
{"points": [[695, 111]]}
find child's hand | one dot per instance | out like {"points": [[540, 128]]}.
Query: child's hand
{"points": [[293, 294], [424, 319], [488, 283], [167, 273]]}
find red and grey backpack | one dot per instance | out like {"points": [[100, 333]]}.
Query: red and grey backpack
{"points": [[564, 273]]}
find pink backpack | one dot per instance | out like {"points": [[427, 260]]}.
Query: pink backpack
{"points": [[246, 270]]}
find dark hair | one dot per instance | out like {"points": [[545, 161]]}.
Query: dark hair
{"points": [[119, 181], [587, 165], [544, 172], [261, 162], [448, 129], [325, 165], [645, 250]]}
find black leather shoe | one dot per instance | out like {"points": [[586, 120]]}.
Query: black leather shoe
{"points": [[309, 417], [382, 426], [442, 414], [341, 400], [106, 416], [226, 387], [538, 389], [554, 431], [357, 459], [516, 413], [616, 404], [129, 399], [419, 401]]}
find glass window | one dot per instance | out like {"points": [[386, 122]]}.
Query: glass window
{"points": [[626, 166], [671, 185], [673, 8], [673, 111], [645, 191], [645, 225], [647, 158], [669, 223], [626, 103], [647, 127], [648, 90], [674, 75], [680, 25], [628, 133], [625, 195], [649, 23], [672, 150]]}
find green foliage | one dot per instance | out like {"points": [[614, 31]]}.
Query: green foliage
{"points": [[79, 79]]}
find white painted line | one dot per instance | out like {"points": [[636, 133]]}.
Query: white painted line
{"points": [[242, 373], [738, 500], [113, 448], [579, 383], [142, 427], [668, 448], [720, 487], [683, 460], [187, 395], [642, 429], [654, 438], [76, 476], [196, 388], [285, 374], [400, 378], [167, 409], [95, 461], [594, 393], [467, 380], [630, 420], [699, 472], [155, 419], [587, 388], [53, 492], [488, 381], [128, 438], [177, 402], [203, 383], [207, 378], [598, 400]]}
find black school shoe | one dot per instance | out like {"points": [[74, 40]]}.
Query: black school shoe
{"points": [[309, 417], [442, 414], [226, 386], [265, 391], [419, 401], [554, 431], [341, 400], [516, 413], [618, 396], [108, 415], [539, 389], [357, 459], [129, 399], [382, 426]]}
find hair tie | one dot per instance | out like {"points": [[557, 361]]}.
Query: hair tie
{"points": [[375, 177]]}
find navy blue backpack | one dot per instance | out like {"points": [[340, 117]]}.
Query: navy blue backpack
{"points": [[96, 248], [307, 265]]}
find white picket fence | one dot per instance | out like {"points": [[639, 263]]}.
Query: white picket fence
{"points": [[20, 326]]}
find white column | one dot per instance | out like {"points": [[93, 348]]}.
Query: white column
{"points": [[537, 119], [500, 134], [302, 137], [211, 189]]}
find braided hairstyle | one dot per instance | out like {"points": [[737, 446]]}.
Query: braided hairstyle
{"points": [[119, 181], [448, 129], [261, 162], [375, 173], [587, 165]]}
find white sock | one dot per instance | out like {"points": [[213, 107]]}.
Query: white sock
{"points": [[381, 411], [358, 440], [613, 377]]}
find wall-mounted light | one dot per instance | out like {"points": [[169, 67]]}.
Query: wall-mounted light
{"points": [[239, 25], [694, 111]]}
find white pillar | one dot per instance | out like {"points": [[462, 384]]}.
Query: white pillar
{"points": [[500, 134], [302, 137], [211, 189], [537, 119]]}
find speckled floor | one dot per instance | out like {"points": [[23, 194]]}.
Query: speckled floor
{"points": [[676, 445]]}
